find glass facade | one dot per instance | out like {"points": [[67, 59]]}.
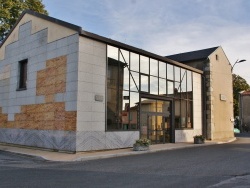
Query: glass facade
{"points": [[130, 75]]}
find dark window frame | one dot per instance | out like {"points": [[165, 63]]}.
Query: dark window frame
{"points": [[23, 74]]}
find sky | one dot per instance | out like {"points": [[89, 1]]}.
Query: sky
{"points": [[166, 27]]}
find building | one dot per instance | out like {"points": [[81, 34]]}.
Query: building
{"points": [[217, 89], [64, 88], [244, 110]]}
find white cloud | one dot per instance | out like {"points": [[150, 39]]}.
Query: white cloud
{"points": [[166, 27]]}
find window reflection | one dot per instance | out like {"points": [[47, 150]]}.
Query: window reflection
{"points": [[153, 85], [177, 74], [170, 87], [183, 83], [144, 83], [144, 64], [113, 52], [162, 70], [124, 56], [134, 81], [162, 86], [170, 72], [134, 110], [125, 83], [189, 81], [134, 64], [153, 67]]}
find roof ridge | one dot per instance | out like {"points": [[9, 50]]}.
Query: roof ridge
{"points": [[195, 51]]}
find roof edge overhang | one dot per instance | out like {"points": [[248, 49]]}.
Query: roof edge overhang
{"points": [[136, 50]]}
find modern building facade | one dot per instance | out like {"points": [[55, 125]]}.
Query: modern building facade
{"points": [[66, 89], [217, 89]]}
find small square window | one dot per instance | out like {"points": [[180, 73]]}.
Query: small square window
{"points": [[216, 57], [22, 84]]}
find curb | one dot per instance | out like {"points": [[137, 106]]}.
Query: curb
{"points": [[128, 153]]}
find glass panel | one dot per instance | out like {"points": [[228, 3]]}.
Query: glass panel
{"points": [[113, 52], [189, 85], [124, 56], [177, 89], [177, 73], [159, 105], [170, 87], [162, 86], [189, 114], [152, 125], [170, 72], [144, 64], [148, 105], [134, 63], [133, 115], [177, 113], [126, 79], [183, 83], [183, 113], [162, 69], [144, 83], [189, 81], [112, 96], [125, 110], [153, 67], [144, 123], [153, 85], [134, 81]]}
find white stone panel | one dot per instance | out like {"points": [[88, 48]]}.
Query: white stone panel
{"points": [[90, 76]]}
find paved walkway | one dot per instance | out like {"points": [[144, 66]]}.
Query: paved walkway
{"points": [[83, 156]]}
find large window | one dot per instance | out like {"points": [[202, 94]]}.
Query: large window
{"points": [[183, 98], [130, 74], [22, 82]]}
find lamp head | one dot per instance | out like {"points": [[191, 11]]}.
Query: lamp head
{"points": [[242, 60]]}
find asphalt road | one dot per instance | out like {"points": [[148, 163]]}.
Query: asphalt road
{"points": [[225, 165]]}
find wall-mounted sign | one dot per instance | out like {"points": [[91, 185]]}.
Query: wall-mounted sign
{"points": [[223, 97], [99, 98]]}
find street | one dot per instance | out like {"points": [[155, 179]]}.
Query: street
{"points": [[224, 165]]}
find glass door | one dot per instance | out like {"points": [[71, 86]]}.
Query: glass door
{"points": [[156, 120]]}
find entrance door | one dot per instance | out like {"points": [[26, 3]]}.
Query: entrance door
{"points": [[156, 120]]}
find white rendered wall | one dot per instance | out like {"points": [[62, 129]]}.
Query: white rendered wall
{"points": [[187, 135]]}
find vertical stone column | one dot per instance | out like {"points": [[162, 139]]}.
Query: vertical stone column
{"points": [[209, 100]]}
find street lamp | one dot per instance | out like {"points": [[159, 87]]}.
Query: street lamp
{"points": [[238, 61]]}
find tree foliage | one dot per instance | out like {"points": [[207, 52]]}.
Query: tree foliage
{"points": [[239, 84], [10, 10]]}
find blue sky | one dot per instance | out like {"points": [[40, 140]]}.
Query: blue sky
{"points": [[166, 27]]}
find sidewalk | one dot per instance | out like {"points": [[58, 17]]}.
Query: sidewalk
{"points": [[84, 156]]}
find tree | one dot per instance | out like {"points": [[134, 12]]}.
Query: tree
{"points": [[10, 10], [239, 84]]}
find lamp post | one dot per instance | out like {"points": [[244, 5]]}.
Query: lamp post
{"points": [[240, 99], [238, 61]]}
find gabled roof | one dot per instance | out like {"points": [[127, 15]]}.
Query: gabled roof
{"points": [[194, 55]]}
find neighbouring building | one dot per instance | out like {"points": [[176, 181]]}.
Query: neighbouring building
{"points": [[217, 89], [244, 110], [66, 89]]}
